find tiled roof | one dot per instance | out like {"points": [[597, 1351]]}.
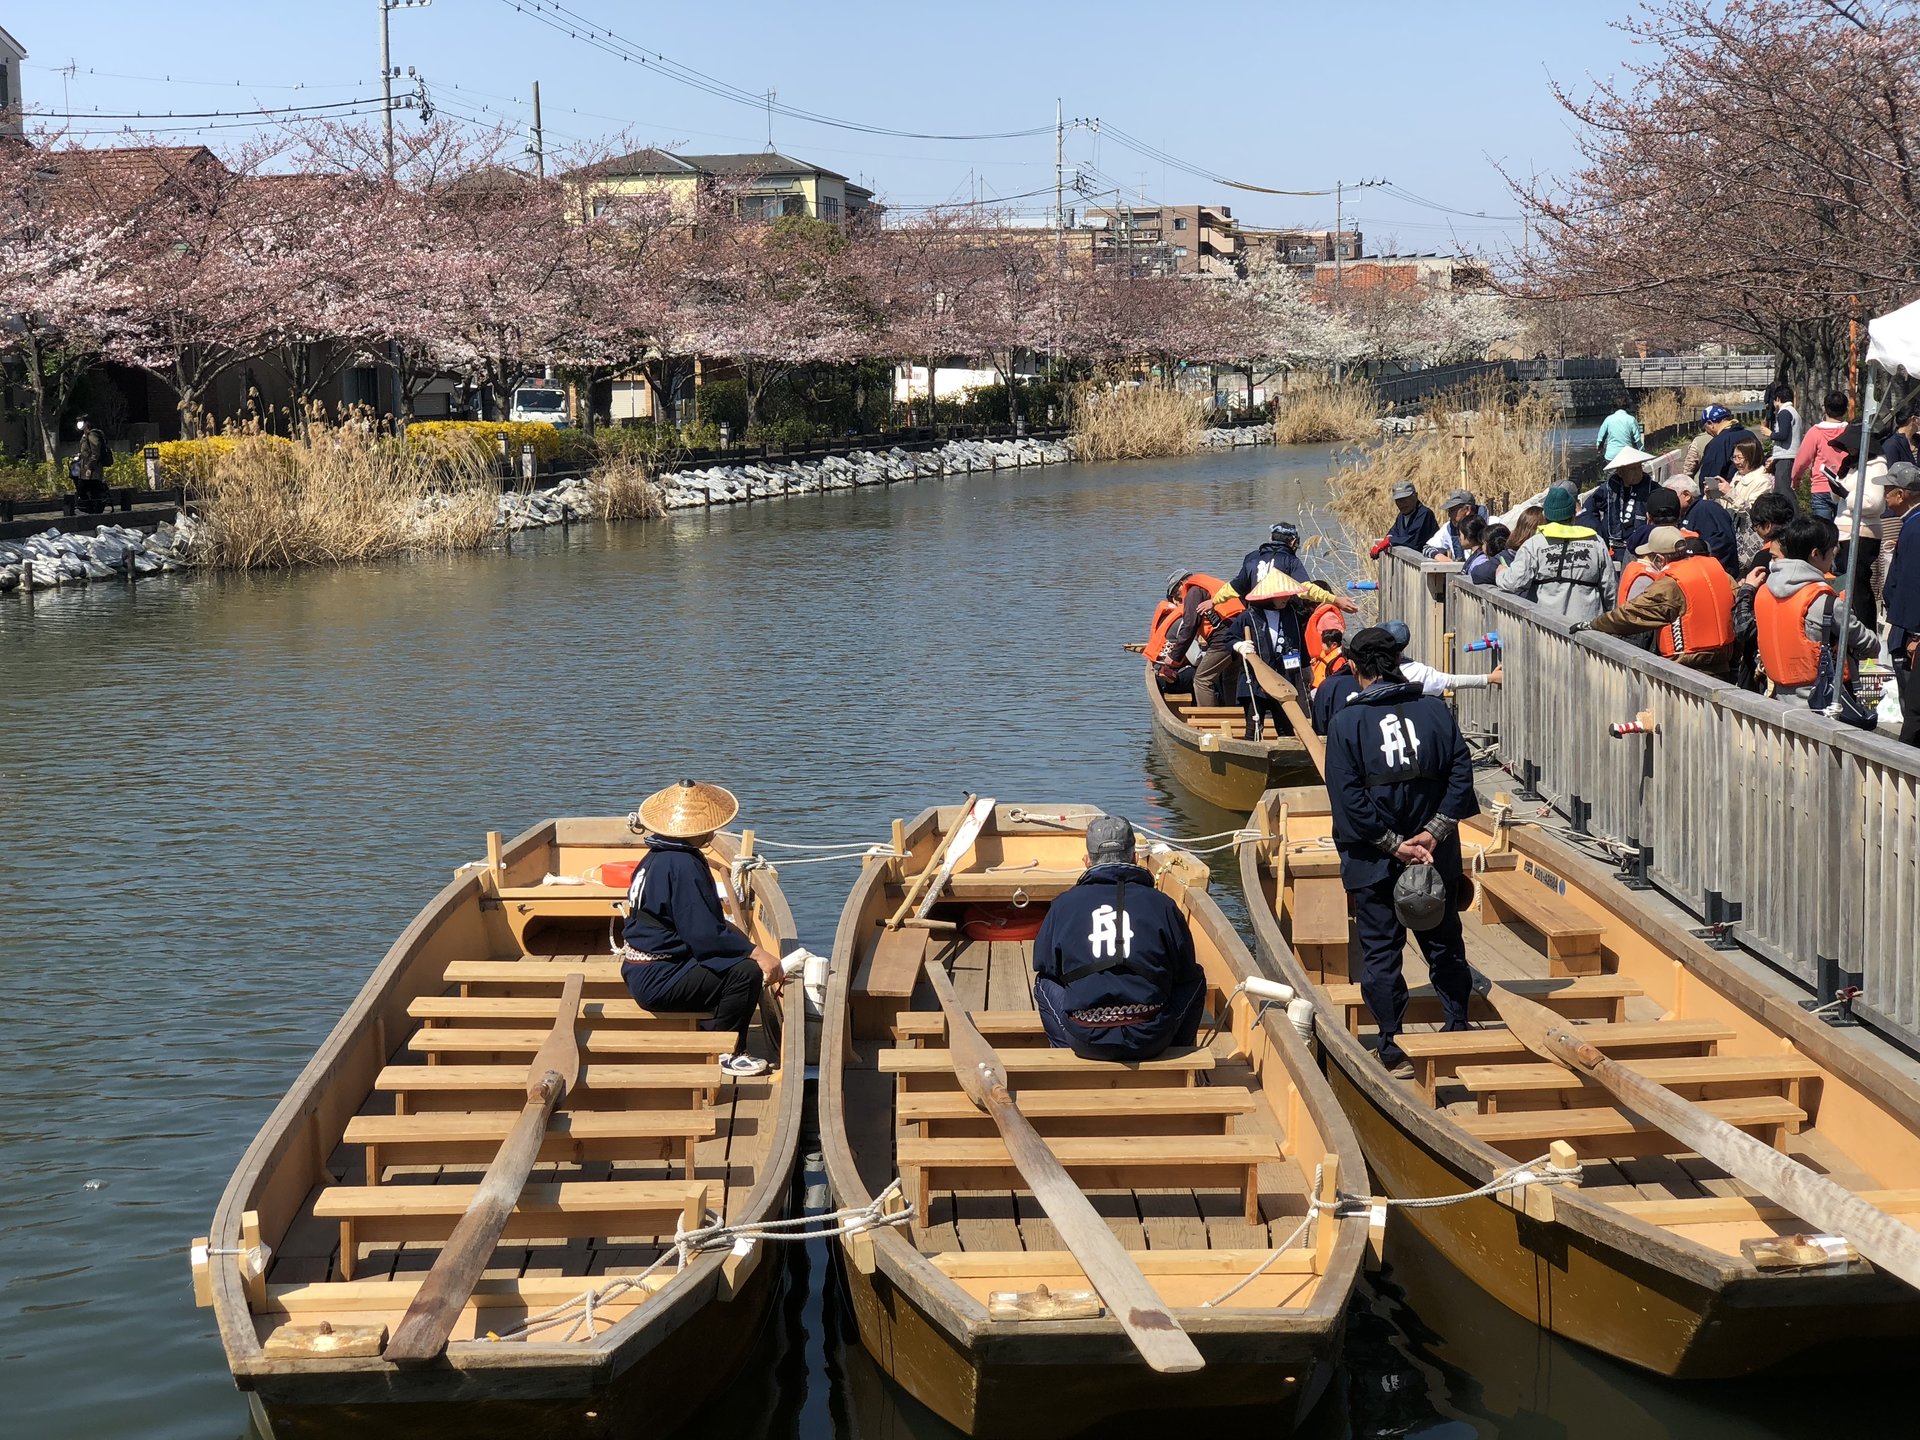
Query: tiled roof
{"points": [[124, 177], [653, 161]]}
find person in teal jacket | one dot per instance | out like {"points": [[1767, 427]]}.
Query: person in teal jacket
{"points": [[1619, 430]]}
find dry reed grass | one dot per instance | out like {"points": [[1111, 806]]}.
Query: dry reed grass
{"points": [[1135, 422], [1316, 414], [624, 490], [341, 493], [1509, 451], [1661, 410]]}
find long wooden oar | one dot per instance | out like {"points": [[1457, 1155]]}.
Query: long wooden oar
{"points": [[1282, 689], [422, 1333], [1891, 1245], [1088, 1238]]}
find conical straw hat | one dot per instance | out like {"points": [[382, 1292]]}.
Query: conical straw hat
{"points": [[689, 808], [1275, 585]]}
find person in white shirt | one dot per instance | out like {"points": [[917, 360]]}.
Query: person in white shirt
{"points": [[1450, 541]]}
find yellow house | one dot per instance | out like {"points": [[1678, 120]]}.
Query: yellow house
{"points": [[769, 184]]}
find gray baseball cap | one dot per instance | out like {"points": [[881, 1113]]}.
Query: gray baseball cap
{"points": [[1903, 475], [1402, 490], [1109, 838], [1460, 497]]}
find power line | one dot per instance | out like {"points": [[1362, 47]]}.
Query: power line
{"points": [[210, 84], [273, 111], [576, 26]]}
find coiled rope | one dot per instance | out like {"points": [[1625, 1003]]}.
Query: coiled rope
{"points": [[578, 1313]]}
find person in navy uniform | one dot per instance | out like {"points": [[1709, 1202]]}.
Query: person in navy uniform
{"points": [[1400, 780], [680, 951], [1114, 973]]}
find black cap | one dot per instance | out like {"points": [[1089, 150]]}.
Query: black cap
{"points": [[1109, 839]]}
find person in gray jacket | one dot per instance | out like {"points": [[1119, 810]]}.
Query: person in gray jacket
{"points": [[1565, 568]]}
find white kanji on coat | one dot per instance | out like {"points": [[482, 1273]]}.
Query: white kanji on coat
{"points": [[1399, 744], [1111, 929]]}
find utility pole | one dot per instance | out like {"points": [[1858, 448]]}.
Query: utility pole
{"points": [[1338, 215], [387, 7], [539, 136]]}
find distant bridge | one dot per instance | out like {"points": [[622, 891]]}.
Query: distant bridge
{"points": [[1587, 386]]}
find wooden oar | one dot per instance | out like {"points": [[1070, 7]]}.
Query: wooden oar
{"points": [[423, 1330], [1088, 1238], [974, 816], [907, 901], [1282, 689], [1891, 1245]]}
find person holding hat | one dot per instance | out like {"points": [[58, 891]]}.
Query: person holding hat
{"points": [[1618, 504], [1414, 525], [1564, 568], [1450, 542], [1686, 606], [680, 951], [1114, 974], [1716, 461], [1400, 780], [1619, 430], [1901, 594]]}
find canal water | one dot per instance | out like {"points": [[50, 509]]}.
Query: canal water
{"points": [[223, 797]]}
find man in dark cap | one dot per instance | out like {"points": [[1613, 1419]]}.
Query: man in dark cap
{"points": [[1415, 523], [1400, 780], [1449, 542], [1114, 976]]}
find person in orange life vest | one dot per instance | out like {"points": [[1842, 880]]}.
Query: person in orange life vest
{"points": [[1686, 605], [1187, 615], [1795, 611], [1273, 581]]}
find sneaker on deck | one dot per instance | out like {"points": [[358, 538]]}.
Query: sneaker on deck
{"points": [[743, 1067], [1396, 1061]]}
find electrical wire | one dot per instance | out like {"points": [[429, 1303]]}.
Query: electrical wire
{"points": [[576, 26], [203, 114], [76, 72], [1200, 172]]}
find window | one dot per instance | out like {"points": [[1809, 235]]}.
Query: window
{"points": [[793, 204], [830, 208], [1179, 222], [759, 207], [1180, 250]]}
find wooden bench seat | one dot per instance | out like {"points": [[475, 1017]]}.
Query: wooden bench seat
{"points": [[1737, 1210], [913, 1026], [1578, 997], [486, 1009], [1000, 884], [601, 972], [463, 1137], [1685, 1073], [919, 1069], [1319, 924], [1206, 1105], [1608, 1132], [1572, 936], [459, 1040], [1436, 1054], [1099, 1162], [404, 1080], [376, 1214]]}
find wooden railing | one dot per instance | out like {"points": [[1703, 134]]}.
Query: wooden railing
{"points": [[1798, 834]]}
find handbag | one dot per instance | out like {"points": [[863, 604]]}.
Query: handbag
{"points": [[1831, 689], [73, 468]]}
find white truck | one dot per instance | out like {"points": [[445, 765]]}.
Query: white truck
{"points": [[542, 401]]}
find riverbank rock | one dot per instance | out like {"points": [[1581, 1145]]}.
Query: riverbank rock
{"points": [[767, 479], [1238, 435], [51, 558]]}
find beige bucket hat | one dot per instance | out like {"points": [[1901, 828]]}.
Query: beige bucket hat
{"points": [[687, 809]]}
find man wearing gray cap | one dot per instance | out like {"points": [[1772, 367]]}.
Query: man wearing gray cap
{"points": [[1114, 976], [1415, 525], [1450, 542]]}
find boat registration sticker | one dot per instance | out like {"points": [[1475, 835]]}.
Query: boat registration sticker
{"points": [[1546, 877]]}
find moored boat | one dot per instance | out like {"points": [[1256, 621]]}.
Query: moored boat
{"points": [[1643, 1258], [346, 1197], [1201, 1162], [1208, 754]]}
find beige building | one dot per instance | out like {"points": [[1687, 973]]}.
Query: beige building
{"points": [[12, 52], [770, 185], [1168, 239], [1301, 247]]}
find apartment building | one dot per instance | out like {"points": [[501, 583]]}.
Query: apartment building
{"points": [[769, 185], [1199, 240]]}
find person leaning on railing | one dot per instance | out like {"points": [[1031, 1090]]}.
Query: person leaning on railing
{"points": [[1686, 606], [1565, 569]]}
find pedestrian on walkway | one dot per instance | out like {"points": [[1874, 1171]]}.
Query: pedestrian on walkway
{"points": [[1619, 430], [1716, 461], [1618, 504], [1565, 568], [89, 468], [1686, 607], [1785, 425]]}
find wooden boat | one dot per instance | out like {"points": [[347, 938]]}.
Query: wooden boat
{"points": [[1643, 1259], [361, 1172], [1202, 1160], [1209, 756]]}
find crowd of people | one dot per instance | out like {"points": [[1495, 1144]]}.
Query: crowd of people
{"points": [[1734, 565]]}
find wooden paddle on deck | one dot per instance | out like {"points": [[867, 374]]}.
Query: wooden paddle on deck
{"points": [[422, 1333], [1891, 1245], [1279, 688], [1089, 1239]]}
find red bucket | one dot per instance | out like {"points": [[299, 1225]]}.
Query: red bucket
{"points": [[1002, 922], [618, 874]]}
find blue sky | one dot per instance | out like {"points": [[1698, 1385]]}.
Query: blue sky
{"points": [[1279, 94]]}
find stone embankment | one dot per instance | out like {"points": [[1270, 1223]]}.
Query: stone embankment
{"points": [[120, 551]]}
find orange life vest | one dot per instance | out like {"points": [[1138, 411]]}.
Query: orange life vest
{"points": [[1327, 657], [1634, 569], [1707, 622], [1168, 611], [1781, 625]]}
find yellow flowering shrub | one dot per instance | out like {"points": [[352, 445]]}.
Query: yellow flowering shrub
{"points": [[186, 461], [449, 434]]}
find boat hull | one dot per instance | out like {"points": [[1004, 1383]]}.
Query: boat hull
{"points": [[1227, 773]]}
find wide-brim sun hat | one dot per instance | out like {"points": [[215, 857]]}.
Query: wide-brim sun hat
{"points": [[1626, 456], [1276, 584], [687, 809]]}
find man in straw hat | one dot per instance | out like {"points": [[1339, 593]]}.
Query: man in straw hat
{"points": [[1618, 504], [681, 953]]}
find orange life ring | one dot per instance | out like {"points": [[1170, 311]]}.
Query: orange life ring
{"points": [[1002, 922]]}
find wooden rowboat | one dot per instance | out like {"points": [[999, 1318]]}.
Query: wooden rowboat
{"points": [[1202, 1161], [1643, 1260], [1209, 755], [361, 1172]]}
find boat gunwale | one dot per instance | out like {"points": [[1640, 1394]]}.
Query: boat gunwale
{"points": [[942, 1300], [1262, 751], [617, 1347], [1478, 1161]]}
